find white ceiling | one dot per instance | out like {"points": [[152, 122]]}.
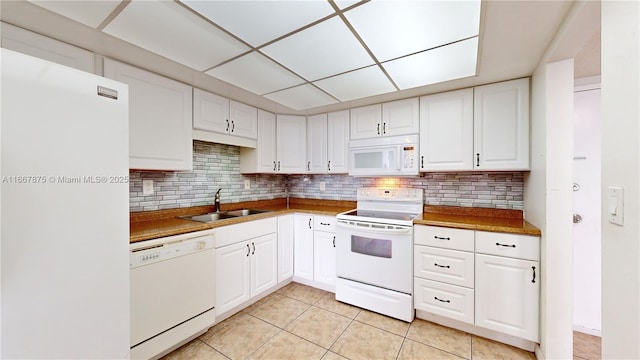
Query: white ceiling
{"points": [[301, 54]]}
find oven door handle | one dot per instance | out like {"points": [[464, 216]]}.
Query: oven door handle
{"points": [[367, 229]]}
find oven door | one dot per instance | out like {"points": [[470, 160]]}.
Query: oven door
{"points": [[375, 254]]}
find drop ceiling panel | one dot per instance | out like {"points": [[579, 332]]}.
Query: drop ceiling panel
{"points": [[258, 22], [326, 49], [357, 84], [256, 73], [168, 29], [441, 64], [301, 97], [90, 13], [391, 31], [345, 4]]}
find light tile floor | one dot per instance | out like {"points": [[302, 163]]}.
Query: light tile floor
{"points": [[586, 347], [301, 322]]}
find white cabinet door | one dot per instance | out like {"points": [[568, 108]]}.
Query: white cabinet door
{"points": [[446, 131], [507, 295], [243, 120], [324, 257], [338, 142], [303, 247], [160, 121], [400, 117], [264, 257], [262, 159], [291, 133], [317, 144], [210, 112], [501, 126], [232, 276], [27, 42], [285, 247], [366, 122]]}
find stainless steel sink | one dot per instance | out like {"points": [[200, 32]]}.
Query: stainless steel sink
{"points": [[210, 217]]}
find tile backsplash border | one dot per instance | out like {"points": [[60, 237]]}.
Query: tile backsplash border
{"points": [[217, 166]]}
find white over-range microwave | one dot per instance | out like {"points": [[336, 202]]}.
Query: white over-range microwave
{"points": [[384, 156]]}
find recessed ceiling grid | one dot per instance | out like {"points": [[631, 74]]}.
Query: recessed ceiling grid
{"points": [[301, 54]]}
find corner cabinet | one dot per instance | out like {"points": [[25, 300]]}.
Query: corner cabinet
{"points": [[291, 133], [501, 126], [317, 144], [160, 116]]}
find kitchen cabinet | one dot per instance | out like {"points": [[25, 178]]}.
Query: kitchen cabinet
{"points": [[446, 131], [30, 43], [291, 134], [217, 114], [324, 252], [303, 248], [338, 142], [262, 158], [317, 144], [393, 118], [160, 115], [508, 284], [501, 126], [246, 262], [285, 247]]}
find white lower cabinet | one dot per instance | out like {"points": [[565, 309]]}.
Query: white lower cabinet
{"points": [[489, 280], [285, 247], [324, 252], [246, 262], [303, 246]]}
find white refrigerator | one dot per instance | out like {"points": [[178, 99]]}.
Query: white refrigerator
{"points": [[64, 212]]}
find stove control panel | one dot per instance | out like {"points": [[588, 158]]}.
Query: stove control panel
{"points": [[390, 194]]}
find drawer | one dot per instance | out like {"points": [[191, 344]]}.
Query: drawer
{"points": [[509, 245], [452, 301], [442, 237], [448, 266], [231, 234], [324, 223]]}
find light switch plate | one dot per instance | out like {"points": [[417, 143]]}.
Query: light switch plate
{"points": [[247, 184], [615, 205], [147, 187]]}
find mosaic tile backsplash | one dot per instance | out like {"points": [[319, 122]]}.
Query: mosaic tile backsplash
{"points": [[217, 166]]}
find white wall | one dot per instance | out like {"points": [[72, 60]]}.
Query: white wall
{"points": [[548, 200], [620, 167]]}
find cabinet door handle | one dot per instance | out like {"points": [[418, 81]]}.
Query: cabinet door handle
{"points": [[441, 238], [248, 250], [278, 165], [274, 165], [445, 301], [334, 243], [477, 159], [422, 162], [378, 128], [227, 126], [254, 248], [384, 128], [233, 126], [534, 274], [506, 245], [309, 223], [329, 166], [308, 165], [442, 266]]}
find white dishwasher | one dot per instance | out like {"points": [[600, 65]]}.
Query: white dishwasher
{"points": [[172, 292]]}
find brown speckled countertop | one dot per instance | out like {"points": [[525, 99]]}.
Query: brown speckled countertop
{"points": [[155, 224]]}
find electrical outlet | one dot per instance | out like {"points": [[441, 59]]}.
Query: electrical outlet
{"points": [[247, 184], [322, 186], [147, 187]]}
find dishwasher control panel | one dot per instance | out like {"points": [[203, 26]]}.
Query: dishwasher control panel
{"points": [[164, 251]]}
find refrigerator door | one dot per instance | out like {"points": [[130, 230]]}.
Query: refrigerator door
{"points": [[64, 212]]}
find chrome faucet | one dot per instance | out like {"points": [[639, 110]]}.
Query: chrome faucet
{"points": [[216, 201]]}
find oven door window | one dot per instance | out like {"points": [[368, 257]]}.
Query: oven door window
{"points": [[371, 247]]}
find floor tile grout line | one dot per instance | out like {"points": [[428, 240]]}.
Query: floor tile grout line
{"points": [[214, 349]]}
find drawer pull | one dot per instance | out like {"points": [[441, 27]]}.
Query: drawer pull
{"points": [[441, 238], [442, 266], [444, 301], [505, 245], [325, 224], [534, 274]]}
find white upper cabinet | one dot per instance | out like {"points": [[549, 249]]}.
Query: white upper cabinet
{"points": [[244, 120], [160, 116], [210, 112], [446, 131], [291, 133], [317, 144], [262, 158], [393, 118], [27, 42], [338, 142], [400, 117], [501, 126]]}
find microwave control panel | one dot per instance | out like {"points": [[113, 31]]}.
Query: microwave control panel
{"points": [[408, 156]]}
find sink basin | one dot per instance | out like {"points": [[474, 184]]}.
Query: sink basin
{"points": [[245, 212], [210, 217]]}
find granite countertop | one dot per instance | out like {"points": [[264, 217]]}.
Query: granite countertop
{"points": [[155, 224]]}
